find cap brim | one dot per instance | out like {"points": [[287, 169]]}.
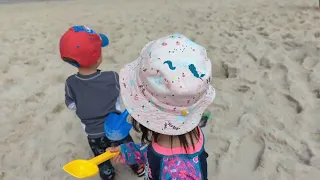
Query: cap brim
{"points": [[105, 40]]}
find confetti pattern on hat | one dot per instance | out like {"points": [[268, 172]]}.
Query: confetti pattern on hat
{"points": [[168, 87]]}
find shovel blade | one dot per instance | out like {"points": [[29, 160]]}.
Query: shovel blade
{"points": [[81, 168]]}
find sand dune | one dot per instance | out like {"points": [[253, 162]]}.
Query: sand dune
{"points": [[265, 57]]}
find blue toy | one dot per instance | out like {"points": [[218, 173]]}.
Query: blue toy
{"points": [[116, 126]]}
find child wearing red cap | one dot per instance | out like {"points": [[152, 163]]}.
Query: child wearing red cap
{"points": [[92, 93]]}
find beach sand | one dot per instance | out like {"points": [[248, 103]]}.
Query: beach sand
{"points": [[265, 56]]}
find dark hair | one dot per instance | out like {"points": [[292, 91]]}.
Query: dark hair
{"points": [[71, 61], [149, 135]]}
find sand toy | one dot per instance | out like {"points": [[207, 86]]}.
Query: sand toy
{"points": [[204, 120], [81, 168], [117, 126]]}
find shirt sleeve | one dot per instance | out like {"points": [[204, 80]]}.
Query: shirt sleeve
{"points": [[116, 77], [70, 101], [133, 153]]}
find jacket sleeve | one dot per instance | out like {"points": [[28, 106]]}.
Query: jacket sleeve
{"points": [[69, 98], [133, 153], [116, 78]]}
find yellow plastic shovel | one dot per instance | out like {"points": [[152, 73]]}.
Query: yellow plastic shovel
{"points": [[81, 168]]}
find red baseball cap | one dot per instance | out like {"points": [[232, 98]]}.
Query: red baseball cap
{"points": [[83, 45]]}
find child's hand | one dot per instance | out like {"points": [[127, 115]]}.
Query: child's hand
{"points": [[117, 159]]}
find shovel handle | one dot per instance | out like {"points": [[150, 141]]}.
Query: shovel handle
{"points": [[103, 157]]}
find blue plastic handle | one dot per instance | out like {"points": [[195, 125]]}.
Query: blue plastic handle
{"points": [[125, 114]]}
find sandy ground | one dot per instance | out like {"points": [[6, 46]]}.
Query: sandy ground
{"points": [[265, 55]]}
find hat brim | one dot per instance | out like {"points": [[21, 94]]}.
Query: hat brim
{"points": [[150, 116], [105, 40]]}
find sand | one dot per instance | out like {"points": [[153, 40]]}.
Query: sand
{"points": [[265, 56]]}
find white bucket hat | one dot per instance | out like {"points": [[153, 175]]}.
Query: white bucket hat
{"points": [[168, 87]]}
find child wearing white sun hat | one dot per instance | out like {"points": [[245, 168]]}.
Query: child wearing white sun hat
{"points": [[166, 90]]}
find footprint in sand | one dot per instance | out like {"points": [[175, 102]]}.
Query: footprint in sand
{"points": [[54, 161], [294, 103], [229, 70], [279, 75], [314, 80], [249, 154], [306, 56], [317, 93], [35, 97], [66, 145], [58, 108], [247, 159]]}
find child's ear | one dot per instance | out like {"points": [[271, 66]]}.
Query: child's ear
{"points": [[99, 60]]}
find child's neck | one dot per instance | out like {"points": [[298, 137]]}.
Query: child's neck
{"points": [[87, 71]]}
